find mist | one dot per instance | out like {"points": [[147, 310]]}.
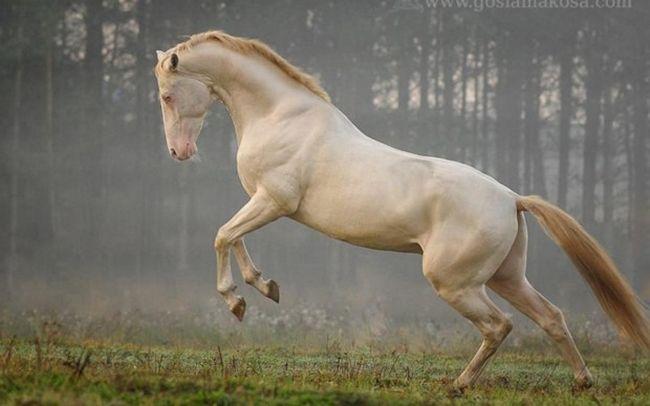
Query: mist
{"points": [[100, 221]]}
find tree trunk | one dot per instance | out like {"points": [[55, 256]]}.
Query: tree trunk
{"points": [[566, 112], [539, 173], [640, 206], [515, 112], [485, 134], [436, 77], [425, 52], [462, 136], [93, 136], [609, 152], [143, 65], [530, 118], [511, 64], [13, 166], [593, 93], [475, 77], [49, 129], [425, 44], [534, 176], [449, 134], [509, 106], [403, 74], [629, 157]]}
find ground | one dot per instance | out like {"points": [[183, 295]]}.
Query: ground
{"points": [[65, 371]]}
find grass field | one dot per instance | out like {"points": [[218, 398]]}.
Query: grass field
{"points": [[61, 371]]}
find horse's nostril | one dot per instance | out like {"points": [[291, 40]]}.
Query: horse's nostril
{"points": [[172, 151]]}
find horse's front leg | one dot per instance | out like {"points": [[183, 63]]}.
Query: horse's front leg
{"points": [[260, 210], [252, 275]]}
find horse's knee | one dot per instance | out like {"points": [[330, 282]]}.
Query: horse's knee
{"points": [[225, 288], [221, 241]]}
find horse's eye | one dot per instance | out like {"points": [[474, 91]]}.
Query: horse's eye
{"points": [[167, 98]]}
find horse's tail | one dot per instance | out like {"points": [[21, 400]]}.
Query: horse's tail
{"points": [[613, 292]]}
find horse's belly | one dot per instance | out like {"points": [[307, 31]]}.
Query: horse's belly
{"points": [[378, 238], [373, 222]]}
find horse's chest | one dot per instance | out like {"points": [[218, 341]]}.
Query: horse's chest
{"points": [[248, 176], [258, 171], [266, 163], [249, 166]]}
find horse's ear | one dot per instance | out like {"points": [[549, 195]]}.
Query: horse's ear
{"points": [[160, 55], [174, 62]]}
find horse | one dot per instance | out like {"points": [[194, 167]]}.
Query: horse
{"points": [[300, 157]]}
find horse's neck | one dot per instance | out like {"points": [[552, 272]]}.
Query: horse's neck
{"points": [[254, 89]]}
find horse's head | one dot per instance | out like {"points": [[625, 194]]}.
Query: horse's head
{"points": [[184, 100]]}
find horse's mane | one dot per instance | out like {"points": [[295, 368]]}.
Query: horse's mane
{"points": [[253, 46]]}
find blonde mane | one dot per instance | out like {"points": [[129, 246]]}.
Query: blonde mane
{"points": [[250, 46]]}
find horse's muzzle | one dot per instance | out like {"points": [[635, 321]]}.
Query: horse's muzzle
{"points": [[183, 153]]}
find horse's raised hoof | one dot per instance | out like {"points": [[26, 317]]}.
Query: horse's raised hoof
{"points": [[274, 291], [239, 308]]}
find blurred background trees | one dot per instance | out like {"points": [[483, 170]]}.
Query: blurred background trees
{"points": [[550, 102]]}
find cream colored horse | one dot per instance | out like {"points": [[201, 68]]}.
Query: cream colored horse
{"points": [[300, 157]]}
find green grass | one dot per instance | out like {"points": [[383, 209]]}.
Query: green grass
{"points": [[61, 371]]}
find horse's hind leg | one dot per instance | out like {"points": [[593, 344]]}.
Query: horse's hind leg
{"points": [[459, 279], [494, 325], [546, 315], [510, 283], [252, 276]]}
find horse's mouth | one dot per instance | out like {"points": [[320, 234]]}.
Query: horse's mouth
{"points": [[179, 158]]}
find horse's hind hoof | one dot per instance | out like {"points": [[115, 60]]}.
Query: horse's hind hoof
{"points": [[239, 308], [456, 391], [459, 386], [583, 382], [274, 291]]}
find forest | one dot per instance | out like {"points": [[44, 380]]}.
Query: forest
{"points": [[98, 218]]}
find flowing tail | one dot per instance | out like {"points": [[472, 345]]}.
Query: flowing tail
{"points": [[613, 292]]}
